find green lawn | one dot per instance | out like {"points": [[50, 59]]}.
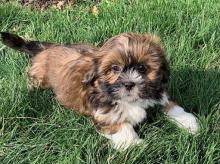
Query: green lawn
{"points": [[34, 128]]}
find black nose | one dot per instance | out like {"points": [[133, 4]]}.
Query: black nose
{"points": [[129, 85]]}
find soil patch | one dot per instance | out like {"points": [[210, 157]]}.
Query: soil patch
{"points": [[43, 4]]}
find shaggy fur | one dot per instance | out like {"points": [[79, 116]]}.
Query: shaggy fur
{"points": [[113, 84]]}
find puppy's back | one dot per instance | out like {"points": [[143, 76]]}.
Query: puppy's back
{"points": [[59, 67]]}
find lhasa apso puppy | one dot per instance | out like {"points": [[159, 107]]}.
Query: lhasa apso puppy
{"points": [[113, 84]]}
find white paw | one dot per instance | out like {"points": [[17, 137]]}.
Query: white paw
{"points": [[124, 138], [183, 119], [123, 145]]}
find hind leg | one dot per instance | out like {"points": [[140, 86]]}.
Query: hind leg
{"points": [[37, 76]]}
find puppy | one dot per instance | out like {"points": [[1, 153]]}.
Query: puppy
{"points": [[113, 84]]}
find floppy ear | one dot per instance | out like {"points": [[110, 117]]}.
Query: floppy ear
{"points": [[165, 69], [91, 75]]}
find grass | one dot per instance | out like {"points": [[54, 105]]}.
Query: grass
{"points": [[34, 128]]}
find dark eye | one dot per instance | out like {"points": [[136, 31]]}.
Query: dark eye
{"points": [[142, 68], [116, 68]]}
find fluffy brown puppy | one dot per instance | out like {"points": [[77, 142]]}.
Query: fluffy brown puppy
{"points": [[113, 84]]}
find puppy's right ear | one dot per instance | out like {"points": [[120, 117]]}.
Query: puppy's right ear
{"points": [[91, 75]]}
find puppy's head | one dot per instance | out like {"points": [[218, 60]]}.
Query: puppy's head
{"points": [[132, 67]]}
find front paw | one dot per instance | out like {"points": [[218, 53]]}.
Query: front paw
{"points": [[124, 137], [123, 145], [184, 119]]}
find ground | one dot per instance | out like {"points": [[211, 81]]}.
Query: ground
{"points": [[34, 128]]}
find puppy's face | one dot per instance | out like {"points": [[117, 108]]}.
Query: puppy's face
{"points": [[132, 67]]}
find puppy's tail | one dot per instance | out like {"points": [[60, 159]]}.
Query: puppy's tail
{"points": [[17, 43]]}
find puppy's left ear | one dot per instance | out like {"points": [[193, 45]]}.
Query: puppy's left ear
{"points": [[164, 69]]}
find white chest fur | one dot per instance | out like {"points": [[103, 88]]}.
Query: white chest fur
{"points": [[132, 112], [124, 111]]}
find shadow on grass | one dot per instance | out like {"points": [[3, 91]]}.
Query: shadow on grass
{"points": [[40, 103], [197, 91]]}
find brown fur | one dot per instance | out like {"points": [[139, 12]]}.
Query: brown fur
{"points": [[110, 129], [168, 106], [63, 69], [75, 72]]}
